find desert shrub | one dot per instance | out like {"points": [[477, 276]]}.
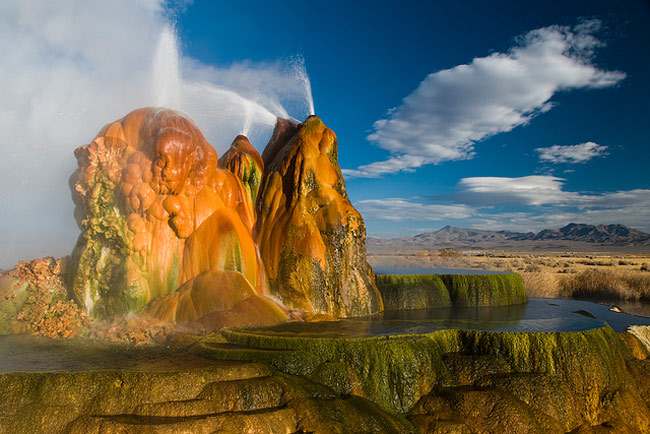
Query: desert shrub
{"points": [[607, 284], [645, 267], [533, 268], [450, 253], [596, 263]]}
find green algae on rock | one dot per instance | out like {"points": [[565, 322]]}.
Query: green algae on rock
{"points": [[413, 291], [396, 372], [423, 291], [13, 295], [446, 381], [219, 397], [245, 162], [468, 290]]}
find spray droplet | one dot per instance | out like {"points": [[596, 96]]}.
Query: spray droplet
{"points": [[166, 86], [298, 64]]}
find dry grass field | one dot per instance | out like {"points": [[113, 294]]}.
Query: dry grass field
{"points": [[551, 275]]}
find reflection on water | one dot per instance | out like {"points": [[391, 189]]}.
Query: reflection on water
{"points": [[538, 315], [415, 270], [24, 353], [641, 308]]}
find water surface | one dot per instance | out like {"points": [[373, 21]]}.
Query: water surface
{"points": [[420, 270], [538, 315], [26, 353]]}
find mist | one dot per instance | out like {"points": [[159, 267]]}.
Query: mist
{"points": [[71, 67]]}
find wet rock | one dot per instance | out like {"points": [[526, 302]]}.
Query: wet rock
{"points": [[148, 194], [311, 238], [231, 397], [485, 381], [417, 291], [245, 162]]}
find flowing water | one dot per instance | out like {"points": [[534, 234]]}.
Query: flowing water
{"points": [[217, 108]]}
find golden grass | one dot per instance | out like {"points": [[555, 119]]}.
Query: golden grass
{"points": [[607, 284], [541, 285]]}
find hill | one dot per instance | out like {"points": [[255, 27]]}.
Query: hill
{"points": [[572, 237]]}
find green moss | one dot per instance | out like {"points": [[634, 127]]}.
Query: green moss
{"points": [[421, 291], [395, 372], [98, 279], [415, 291], [308, 127], [485, 289]]}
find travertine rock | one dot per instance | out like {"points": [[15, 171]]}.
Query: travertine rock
{"points": [[311, 238], [144, 186], [245, 162]]}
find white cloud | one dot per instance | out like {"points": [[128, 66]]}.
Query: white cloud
{"points": [[526, 190], [399, 209], [70, 67], [580, 153], [400, 163], [515, 209], [455, 108], [540, 190]]}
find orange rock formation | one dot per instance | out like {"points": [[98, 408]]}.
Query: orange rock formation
{"points": [[166, 224], [245, 162], [311, 238], [155, 212]]}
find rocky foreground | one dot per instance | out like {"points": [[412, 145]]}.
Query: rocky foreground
{"points": [[445, 382]]}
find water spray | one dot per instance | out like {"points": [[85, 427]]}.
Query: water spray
{"points": [[300, 72], [166, 84]]}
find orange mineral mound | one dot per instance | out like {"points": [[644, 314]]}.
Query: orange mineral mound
{"points": [[245, 162], [227, 295], [144, 186], [166, 225], [311, 238]]}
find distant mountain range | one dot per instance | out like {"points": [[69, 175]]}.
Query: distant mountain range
{"points": [[573, 236]]}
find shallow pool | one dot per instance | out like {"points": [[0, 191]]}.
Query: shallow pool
{"points": [[538, 315]]}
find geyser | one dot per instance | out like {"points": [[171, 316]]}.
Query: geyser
{"points": [[300, 72], [166, 83], [167, 226], [70, 84]]}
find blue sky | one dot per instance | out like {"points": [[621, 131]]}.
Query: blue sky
{"points": [[494, 115], [570, 77]]}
